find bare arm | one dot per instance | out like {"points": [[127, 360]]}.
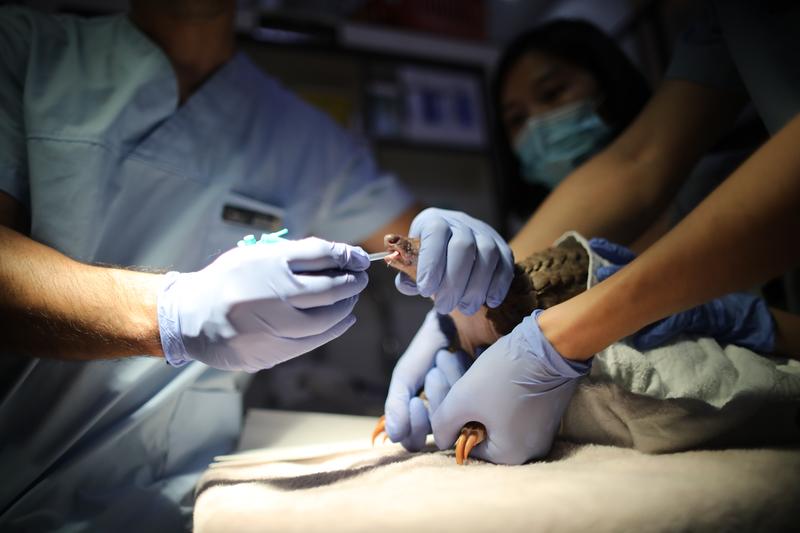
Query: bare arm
{"points": [[742, 234], [620, 192], [53, 306], [787, 333]]}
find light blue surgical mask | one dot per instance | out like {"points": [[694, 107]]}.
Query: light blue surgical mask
{"points": [[553, 144]]}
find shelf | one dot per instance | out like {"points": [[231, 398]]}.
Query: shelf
{"points": [[284, 30], [387, 40]]}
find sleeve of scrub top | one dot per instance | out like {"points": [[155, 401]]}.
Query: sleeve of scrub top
{"points": [[701, 54], [15, 31], [360, 200]]}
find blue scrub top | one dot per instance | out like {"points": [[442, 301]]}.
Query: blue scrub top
{"points": [[93, 143], [746, 46]]}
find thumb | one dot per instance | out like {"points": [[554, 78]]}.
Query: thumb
{"points": [[396, 409], [312, 254], [349, 257], [405, 285]]}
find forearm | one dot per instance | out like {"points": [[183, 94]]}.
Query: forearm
{"points": [[55, 307], [609, 196], [735, 239], [787, 333], [620, 192]]}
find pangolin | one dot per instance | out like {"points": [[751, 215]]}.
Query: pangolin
{"points": [[541, 280]]}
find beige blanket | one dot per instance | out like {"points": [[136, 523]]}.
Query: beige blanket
{"points": [[578, 488]]}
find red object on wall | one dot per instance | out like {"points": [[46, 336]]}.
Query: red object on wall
{"points": [[463, 19]]}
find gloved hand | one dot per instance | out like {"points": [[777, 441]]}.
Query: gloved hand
{"points": [[463, 262], [616, 254], [257, 306], [737, 318], [518, 389], [426, 361]]}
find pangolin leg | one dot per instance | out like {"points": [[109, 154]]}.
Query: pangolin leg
{"points": [[380, 427]]}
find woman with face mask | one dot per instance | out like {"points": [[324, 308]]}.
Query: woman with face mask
{"points": [[562, 92]]}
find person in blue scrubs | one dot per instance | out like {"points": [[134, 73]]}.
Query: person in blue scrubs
{"points": [[146, 141]]}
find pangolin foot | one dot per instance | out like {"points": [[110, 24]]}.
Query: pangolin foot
{"points": [[472, 434]]}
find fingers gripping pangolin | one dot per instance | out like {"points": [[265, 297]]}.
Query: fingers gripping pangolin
{"points": [[541, 280]]}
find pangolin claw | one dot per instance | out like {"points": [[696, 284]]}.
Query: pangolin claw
{"points": [[380, 427], [472, 434]]}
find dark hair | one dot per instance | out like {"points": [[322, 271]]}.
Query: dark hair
{"points": [[625, 90]]}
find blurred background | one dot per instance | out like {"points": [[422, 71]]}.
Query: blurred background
{"points": [[411, 78]]}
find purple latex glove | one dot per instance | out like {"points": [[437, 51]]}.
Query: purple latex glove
{"points": [[463, 262], [428, 362], [257, 306], [518, 389]]}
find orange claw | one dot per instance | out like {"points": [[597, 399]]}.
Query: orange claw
{"points": [[460, 448], [472, 440], [472, 434], [380, 427]]}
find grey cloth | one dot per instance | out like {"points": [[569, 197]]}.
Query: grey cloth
{"points": [[690, 394], [112, 170]]}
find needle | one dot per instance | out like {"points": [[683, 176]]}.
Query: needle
{"points": [[378, 256]]}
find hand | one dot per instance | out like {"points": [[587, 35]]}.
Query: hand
{"points": [[426, 361], [518, 389], [738, 318], [257, 306], [616, 254], [463, 262]]}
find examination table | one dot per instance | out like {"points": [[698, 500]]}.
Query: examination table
{"points": [[317, 472]]}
